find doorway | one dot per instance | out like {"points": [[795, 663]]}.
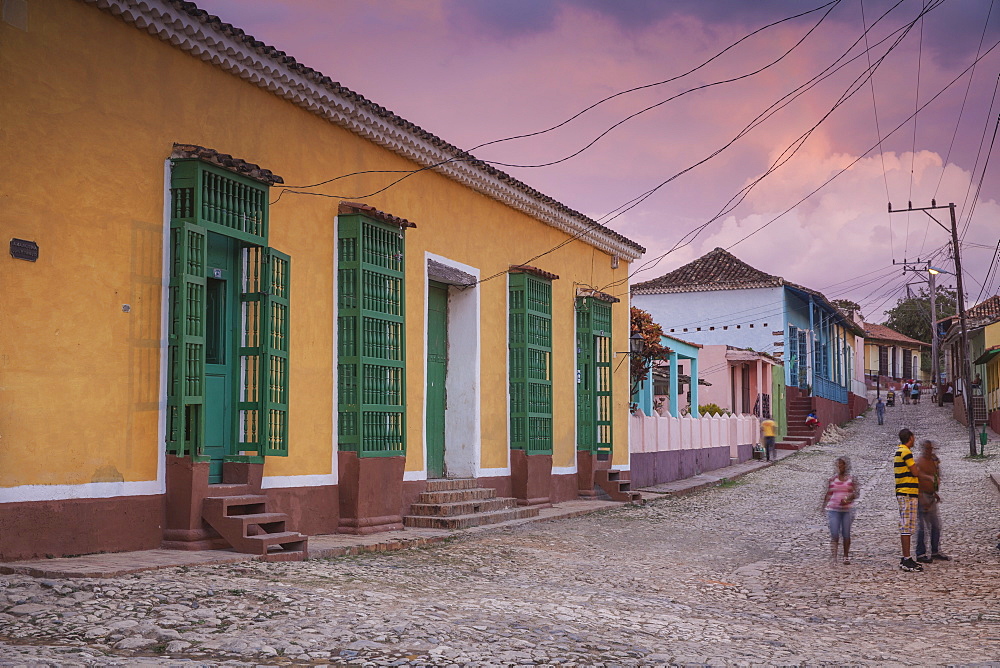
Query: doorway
{"points": [[221, 341], [437, 376]]}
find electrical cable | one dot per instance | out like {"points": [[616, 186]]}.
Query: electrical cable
{"points": [[681, 243], [465, 155], [975, 166], [878, 130], [913, 150], [965, 98], [854, 162]]}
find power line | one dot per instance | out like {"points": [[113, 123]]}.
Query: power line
{"points": [[878, 130], [913, 150], [785, 156]]}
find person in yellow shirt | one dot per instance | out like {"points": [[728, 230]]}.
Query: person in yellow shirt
{"points": [[768, 427]]}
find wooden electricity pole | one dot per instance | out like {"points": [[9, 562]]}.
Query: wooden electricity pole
{"points": [[964, 344]]}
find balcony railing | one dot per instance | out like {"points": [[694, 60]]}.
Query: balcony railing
{"points": [[828, 389]]}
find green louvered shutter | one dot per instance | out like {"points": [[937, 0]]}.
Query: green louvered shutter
{"points": [[371, 345], [593, 395], [530, 355], [263, 401], [586, 431], [601, 323], [186, 354]]}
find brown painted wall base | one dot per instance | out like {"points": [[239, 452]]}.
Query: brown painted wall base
{"points": [[531, 478], [564, 488], [311, 510], [37, 529], [371, 493]]}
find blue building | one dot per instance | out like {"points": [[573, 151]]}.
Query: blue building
{"points": [[719, 299]]}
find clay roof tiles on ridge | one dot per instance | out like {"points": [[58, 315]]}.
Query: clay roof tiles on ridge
{"points": [[321, 79]]}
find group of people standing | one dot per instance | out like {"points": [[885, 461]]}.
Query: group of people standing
{"points": [[911, 391], [917, 481]]}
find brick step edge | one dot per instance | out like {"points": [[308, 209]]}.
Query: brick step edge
{"points": [[462, 507], [458, 495], [450, 484], [469, 521]]}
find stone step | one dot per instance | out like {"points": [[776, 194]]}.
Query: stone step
{"points": [[443, 484], [790, 445], [468, 521], [457, 495], [462, 507]]}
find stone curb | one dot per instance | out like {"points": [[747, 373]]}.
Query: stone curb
{"points": [[116, 564], [714, 478]]}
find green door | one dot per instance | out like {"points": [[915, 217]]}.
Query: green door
{"points": [[221, 302], [437, 372]]}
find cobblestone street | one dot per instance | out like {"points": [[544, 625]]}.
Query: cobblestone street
{"points": [[738, 574]]}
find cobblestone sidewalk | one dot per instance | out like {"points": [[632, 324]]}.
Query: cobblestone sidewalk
{"points": [[735, 574]]}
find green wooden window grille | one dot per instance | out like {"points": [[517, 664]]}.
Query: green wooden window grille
{"points": [[205, 198], [263, 402], [371, 374], [530, 354], [593, 382]]}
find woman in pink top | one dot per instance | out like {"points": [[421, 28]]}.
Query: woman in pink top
{"points": [[838, 502]]}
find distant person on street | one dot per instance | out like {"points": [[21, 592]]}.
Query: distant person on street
{"points": [[915, 391], [768, 428], [928, 517], [880, 410], [841, 492], [906, 391], [907, 477], [812, 421]]}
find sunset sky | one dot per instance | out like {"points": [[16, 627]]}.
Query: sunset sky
{"points": [[475, 71]]}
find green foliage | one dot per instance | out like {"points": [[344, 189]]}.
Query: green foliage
{"points": [[846, 305], [712, 409], [654, 351], [911, 316]]}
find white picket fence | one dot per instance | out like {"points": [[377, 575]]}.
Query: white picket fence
{"points": [[657, 434]]}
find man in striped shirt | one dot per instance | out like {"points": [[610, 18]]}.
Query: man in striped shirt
{"points": [[907, 491]]}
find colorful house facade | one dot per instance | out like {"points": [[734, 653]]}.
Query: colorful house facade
{"points": [[891, 357], [719, 299], [983, 331], [203, 332]]}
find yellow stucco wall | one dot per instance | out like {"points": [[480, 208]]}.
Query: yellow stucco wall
{"points": [[91, 107]]}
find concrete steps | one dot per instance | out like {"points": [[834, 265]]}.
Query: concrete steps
{"points": [[460, 504], [244, 522]]}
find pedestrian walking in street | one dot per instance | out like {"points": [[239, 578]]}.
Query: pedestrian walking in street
{"points": [[928, 517], [880, 410], [906, 391], [907, 488], [915, 391], [768, 428], [841, 492]]}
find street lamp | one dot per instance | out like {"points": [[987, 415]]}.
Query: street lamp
{"points": [[636, 344]]}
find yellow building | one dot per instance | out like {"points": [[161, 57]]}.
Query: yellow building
{"points": [[187, 335]]}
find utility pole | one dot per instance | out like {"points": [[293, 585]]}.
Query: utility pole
{"points": [[966, 361], [931, 273]]}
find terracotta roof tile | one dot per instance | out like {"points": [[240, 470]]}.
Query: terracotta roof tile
{"points": [[226, 161], [597, 294], [320, 79], [721, 270], [986, 311], [535, 271], [716, 270], [372, 212], [875, 332]]}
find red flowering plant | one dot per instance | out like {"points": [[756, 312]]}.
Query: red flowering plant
{"points": [[653, 351]]}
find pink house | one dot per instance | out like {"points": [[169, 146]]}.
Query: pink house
{"points": [[740, 379]]}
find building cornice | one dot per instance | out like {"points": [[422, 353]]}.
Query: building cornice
{"points": [[203, 36]]}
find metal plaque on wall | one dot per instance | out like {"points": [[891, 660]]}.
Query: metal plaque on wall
{"points": [[22, 249]]}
